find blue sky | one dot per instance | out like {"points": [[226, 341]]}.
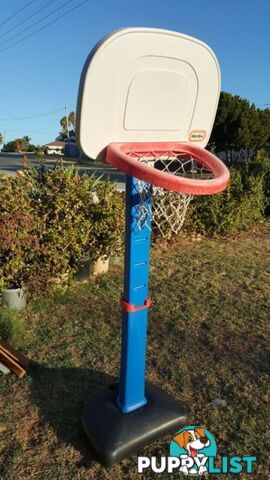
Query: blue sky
{"points": [[41, 74]]}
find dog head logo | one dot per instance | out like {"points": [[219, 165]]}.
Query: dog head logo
{"points": [[193, 445], [192, 441]]}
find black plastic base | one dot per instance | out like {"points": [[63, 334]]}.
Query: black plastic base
{"points": [[114, 435]]}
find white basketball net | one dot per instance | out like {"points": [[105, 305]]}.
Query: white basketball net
{"points": [[168, 208]]}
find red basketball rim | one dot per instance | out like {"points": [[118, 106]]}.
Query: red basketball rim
{"points": [[120, 155]]}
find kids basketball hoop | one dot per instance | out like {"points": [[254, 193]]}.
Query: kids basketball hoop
{"points": [[168, 167], [177, 167], [146, 105]]}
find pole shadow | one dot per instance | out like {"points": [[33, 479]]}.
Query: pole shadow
{"points": [[60, 394]]}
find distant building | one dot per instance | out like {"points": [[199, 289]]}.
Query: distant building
{"points": [[55, 148]]}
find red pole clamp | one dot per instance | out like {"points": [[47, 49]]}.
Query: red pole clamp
{"points": [[129, 307]]}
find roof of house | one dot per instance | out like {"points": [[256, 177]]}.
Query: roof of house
{"points": [[56, 143]]}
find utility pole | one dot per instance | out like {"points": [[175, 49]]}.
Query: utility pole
{"points": [[66, 115]]}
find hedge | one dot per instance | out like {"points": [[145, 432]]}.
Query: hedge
{"points": [[240, 207]]}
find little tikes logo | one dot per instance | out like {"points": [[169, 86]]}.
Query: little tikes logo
{"points": [[197, 136], [193, 451]]}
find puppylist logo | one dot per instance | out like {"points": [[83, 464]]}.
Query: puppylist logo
{"points": [[193, 451]]}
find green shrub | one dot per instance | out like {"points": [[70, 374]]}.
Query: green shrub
{"points": [[260, 167], [49, 219], [238, 208], [82, 216], [60, 203], [19, 233], [106, 215]]}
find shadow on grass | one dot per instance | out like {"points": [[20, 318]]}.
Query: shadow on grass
{"points": [[60, 394]]}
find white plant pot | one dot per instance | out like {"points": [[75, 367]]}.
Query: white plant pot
{"points": [[100, 266], [14, 298]]}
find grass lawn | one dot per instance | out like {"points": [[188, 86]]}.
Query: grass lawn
{"points": [[208, 339]]}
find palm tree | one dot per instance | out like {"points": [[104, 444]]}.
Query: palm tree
{"points": [[72, 119], [71, 122], [63, 123]]}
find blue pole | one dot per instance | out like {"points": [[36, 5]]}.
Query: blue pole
{"points": [[135, 301]]}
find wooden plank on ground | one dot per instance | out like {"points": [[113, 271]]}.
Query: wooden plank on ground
{"points": [[12, 364], [17, 356]]}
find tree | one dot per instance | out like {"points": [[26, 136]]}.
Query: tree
{"points": [[72, 119], [18, 145], [63, 123], [1, 139], [239, 125], [263, 138], [66, 124], [9, 146]]}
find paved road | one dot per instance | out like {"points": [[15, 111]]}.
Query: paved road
{"points": [[10, 163]]}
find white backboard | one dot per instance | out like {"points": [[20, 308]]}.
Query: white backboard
{"points": [[147, 85]]}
